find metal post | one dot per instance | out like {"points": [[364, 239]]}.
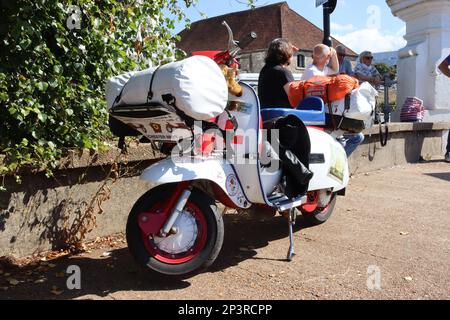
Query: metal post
{"points": [[326, 26], [328, 9], [386, 109]]}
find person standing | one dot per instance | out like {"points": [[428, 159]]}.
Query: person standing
{"points": [[275, 76], [325, 62], [444, 67]]}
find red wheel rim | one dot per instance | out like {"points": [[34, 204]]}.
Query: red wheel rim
{"points": [[192, 251], [312, 201]]}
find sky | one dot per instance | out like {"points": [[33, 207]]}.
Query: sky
{"points": [[359, 24]]}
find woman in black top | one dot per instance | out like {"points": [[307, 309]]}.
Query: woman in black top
{"points": [[274, 76]]}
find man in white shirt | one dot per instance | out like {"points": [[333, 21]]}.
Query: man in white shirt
{"points": [[325, 63]]}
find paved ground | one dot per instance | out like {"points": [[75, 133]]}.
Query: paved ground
{"points": [[395, 221]]}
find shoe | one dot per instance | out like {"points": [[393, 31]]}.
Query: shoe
{"points": [[447, 157], [296, 168]]}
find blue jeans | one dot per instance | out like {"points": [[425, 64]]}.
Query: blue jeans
{"points": [[352, 141]]}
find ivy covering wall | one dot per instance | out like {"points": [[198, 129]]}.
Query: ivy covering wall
{"points": [[55, 57]]}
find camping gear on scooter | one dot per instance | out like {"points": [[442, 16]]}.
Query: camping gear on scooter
{"points": [[163, 103], [354, 112], [195, 86], [339, 121], [361, 105], [327, 88], [113, 88]]}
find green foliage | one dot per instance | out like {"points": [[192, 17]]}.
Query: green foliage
{"points": [[52, 73], [384, 68]]}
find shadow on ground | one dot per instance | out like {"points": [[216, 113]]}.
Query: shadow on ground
{"points": [[440, 175], [118, 272]]}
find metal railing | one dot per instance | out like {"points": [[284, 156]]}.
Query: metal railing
{"points": [[384, 115]]}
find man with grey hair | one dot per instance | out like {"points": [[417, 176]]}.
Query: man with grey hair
{"points": [[325, 62], [345, 66]]}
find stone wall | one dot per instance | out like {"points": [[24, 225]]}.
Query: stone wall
{"points": [[42, 214], [407, 143]]}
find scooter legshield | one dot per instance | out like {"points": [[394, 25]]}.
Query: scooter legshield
{"points": [[218, 171]]}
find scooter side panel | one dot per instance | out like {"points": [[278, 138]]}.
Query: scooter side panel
{"points": [[328, 161], [246, 154], [218, 171]]}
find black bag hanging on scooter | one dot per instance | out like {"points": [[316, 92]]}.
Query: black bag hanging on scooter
{"points": [[295, 147]]}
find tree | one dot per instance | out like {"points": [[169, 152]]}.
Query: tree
{"points": [[384, 68]]}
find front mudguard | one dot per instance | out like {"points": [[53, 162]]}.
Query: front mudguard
{"points": [[217, 171]]}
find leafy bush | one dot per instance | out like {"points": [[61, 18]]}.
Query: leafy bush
{"points": [[384, 68], [54, 61]]}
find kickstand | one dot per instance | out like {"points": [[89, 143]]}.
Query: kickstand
{"points": [[291, 221]]}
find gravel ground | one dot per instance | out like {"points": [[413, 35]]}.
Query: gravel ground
{"points": [[393, 226]]}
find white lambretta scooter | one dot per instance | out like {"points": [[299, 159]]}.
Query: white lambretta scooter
{"points": [[175, 228]]}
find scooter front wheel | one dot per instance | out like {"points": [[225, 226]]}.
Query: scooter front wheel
{"points": [[195, 244]]}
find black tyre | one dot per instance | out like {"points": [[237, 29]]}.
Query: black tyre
{"points": [[196, 244], [320, 214]]}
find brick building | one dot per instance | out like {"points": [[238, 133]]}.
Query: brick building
{"points": [[269, 22]]}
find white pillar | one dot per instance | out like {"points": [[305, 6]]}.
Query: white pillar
{"points": [[428, 43]]}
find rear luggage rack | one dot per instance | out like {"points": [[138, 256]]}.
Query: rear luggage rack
{"points": [[155, 121], [142, 111]]}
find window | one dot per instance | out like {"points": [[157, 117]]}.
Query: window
{"points": [[300, 61]]}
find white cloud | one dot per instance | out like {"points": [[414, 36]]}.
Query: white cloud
{"points": [[401, 32], [336, 27], [372, 39]]}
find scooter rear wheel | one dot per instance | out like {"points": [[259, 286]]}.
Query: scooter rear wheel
{"points": [[320, 214], [196, 244]]}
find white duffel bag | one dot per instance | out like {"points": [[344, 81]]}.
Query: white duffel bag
{"points": [[114, 86], [197, 85], [362, 103]]}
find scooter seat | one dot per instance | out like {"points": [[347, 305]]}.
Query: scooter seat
{"points": [[310, 110]]}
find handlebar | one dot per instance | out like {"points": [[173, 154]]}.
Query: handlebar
{"points": [[231, 42], [233, 45], [247, 39]]}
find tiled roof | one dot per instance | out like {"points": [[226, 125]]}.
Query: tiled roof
{"points": [[269, 22]]}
